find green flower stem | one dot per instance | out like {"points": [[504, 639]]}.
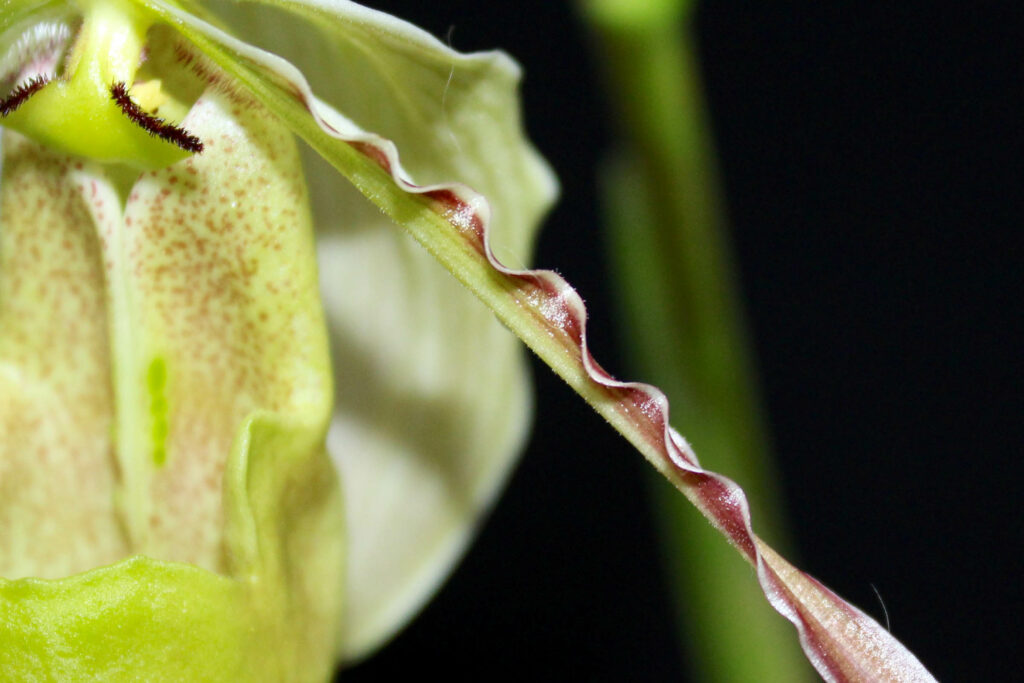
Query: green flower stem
{"points": [[683, 328]]}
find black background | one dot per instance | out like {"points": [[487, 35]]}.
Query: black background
{"points": [[871, 158]]}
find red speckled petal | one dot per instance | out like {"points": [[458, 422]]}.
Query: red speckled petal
{"points": [[432, 399], [57, 471]]}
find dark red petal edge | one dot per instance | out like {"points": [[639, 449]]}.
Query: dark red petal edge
{"points": [[721, 500], [841, 642]]}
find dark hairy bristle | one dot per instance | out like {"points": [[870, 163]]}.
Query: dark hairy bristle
{"points": [[21, 93], [152, 124]]}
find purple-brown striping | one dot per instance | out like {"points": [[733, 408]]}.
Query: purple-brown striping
{"points": [[20, 94], [152, 124]]}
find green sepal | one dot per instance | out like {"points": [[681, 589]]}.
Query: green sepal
{"points": [[273, 619], [174, 621]]}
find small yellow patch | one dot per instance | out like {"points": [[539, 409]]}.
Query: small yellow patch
{"points": [[149, 96]]}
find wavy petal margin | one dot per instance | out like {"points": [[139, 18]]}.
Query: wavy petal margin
{"points": [[451, 222]]}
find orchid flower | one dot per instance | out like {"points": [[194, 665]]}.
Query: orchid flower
{"points": [[215, 464]]}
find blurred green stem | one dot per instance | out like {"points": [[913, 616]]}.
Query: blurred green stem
{"points": [[683, 329]]}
